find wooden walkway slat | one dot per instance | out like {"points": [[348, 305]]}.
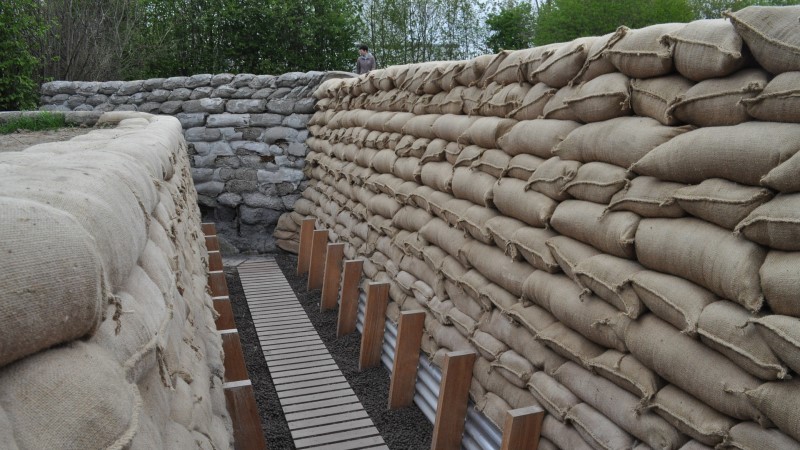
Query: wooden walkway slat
{"points": [[321, 409]]}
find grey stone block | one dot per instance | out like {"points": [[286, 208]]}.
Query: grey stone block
{"points": [[207, 105], [209, 161], [232, 162], [159, 95], [210, 188], [58, 87], [171, 107], [224, 91], [297, 149], [109, 87], [305, 105], [218, 148], [260, 162], [280, 134], [201, 92], [221, 78], [302, 136], [86, 88], [104, 107], [261, 216], [280, 106], [240, 186], [245, 147], [202, 134], [196, 81], [125, 108], [139, 98], [263, 93], [243, 92], [131, 87], [189, 120], [259, 200], [75, 100], [224, 174], [228, 120], [276, 150], [174, 83], [242, 80], [283, 174], [180, 94], [150, 107], [245, 174], [231, 134], [60, 98], [229, 199], [261, 81], [200, 175], [298, 163], [297, 121], [245, 106], [153, 83], [285, 188], [250, 133], [84, 107], [266, 120], [116, 99]]}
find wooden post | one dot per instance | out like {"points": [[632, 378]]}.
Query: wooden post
{"points": [[522, 428], [316, 267], [241, 402], [208, 228], [406, 359], [214, 261], [223, 307], [348, 309], [217, 283], [304, 250], [235, 369], [451, 411], [333, 274], [212, 243], [374, 325]]}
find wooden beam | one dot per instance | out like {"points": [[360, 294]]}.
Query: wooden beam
{"points": [[225, 320], [217, 283], [304, 249], [212, 243], [214, 260], [208, 228], [241, 402], [406, 359], [451, 411], [348, 309], [374, 325], [235, 368], [316, 267], [523, 428], [332, 277]]}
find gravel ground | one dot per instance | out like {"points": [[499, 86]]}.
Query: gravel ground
{"points": [[401, 429]]}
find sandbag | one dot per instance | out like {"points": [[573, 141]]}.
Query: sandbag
{"points": [[689, 248], [563, 434], [597, 430], [624, 370], [569, 252], [597, 182], [450, 126], [531, 317], [780, 283], [502, 102], [639, 54], [771, 35], [750, 436], [593, 318], [704, 49], [492, 161], [779, 101], [648, 197], [721, 202], [475, 186], [557, 107], [673, 299], [512, 199], [438, 175], [502, 229], [532, 105], [535, 137], [552, 395], [489, 347], [603, 98], [612, 233], [565, 63], [530, 244], [552, 176], [782, 335], [493, 264], [691, 416], [775, 224], [608, 277], [514, 368], [522, 166], [485, 131], [778, 400], [596, 63], [652, 97], [569, 344]]}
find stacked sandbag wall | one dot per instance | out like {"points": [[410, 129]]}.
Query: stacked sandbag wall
{"points": [[107, 335], [246, 136], [612, 223]]}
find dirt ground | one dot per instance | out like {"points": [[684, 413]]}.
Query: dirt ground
{"points": [[15, 142]]}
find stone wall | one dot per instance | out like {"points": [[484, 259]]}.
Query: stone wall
{"points": [[246, 136]]}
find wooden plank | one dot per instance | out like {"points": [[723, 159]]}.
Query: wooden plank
{"points": [[356, 444], [325, 420], [235, 368], [308, 377], [293, 340], [332, 276], [217, 283], [280, 359], [321, 404], [212, 243], [348, 309], [313, 398], [247, 433], [225, 320], [304, 249], [208, 228], [273, 353], [334, 427], [294, 374], [374, 324], [335, 437], [323, 412], [214, 260], [316, 267], [451, 410], [286, 393], [301, 365], [522, 428], [406, 359], [296, 346], [312, 383]]}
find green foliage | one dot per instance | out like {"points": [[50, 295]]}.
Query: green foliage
{"points": [[38, 122], [511, 28], [713, 9], [19, 26], [565, 20]]}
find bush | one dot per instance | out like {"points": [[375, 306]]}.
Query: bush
{"points": [[19, 27]]}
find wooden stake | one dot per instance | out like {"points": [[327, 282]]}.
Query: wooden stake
{"points": [[522, 428], [217, 283], [316, 267], [406, 359], [333, 274], [214, 261], [241, 402], [235, 369], [348, 309], [208, 228], [304, 250], [451, 411], [212, 243], [374, 325], [223, 307]]}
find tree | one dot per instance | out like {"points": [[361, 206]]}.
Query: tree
{"points": [[713, 9], [565, 20], [511, 28], [19, 27]]}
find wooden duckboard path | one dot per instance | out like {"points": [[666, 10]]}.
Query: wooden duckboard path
{"points": [[321, 409]]}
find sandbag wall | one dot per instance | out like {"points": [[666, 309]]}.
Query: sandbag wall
{"points": [[107, 336], [612, 223]]}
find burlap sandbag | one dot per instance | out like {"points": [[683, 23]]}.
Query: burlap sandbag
{"points": [[493, 264], [621, 141], [406, 168], [742, 153], [438, 233], [488, 346], [652, 97], [557, 107], [771, 35], [640, 54], [492, 68], [410, 218], [596, 63], [473, 70], [522, 166], [474, 222], [597, 182], [751, 436], [608, 277], [782, 335], [775, 224], [686, 247], [536, 137], [779, 101], [475, 186], [612, 233], [691, 416], [778, 400], [562, 434], [485, 131], [593, 318], [470, 99], [706, 49], [494, 408], [52, 293], [648, 197], [468, 155], [620, 406], [510, 69], [512, 199], [532, 105], [552, 395], [727, 328], [505, 100], [535, 58], [489, 294], [569, 343], [75, 396], [721, 202], [514, 368], [693, 367], [448, 74], [438, 175], [529, 243], [434, 151], [531, 317], [562, 66], [494, 382], [673, 299], [624, 370], [492, 161], [603, 98], [597, 430], [780, 284], [717, 102], [502, 229], [569, 252], [552, 176]]}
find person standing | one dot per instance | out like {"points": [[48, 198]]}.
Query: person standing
{"points": [[366, 61]]}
